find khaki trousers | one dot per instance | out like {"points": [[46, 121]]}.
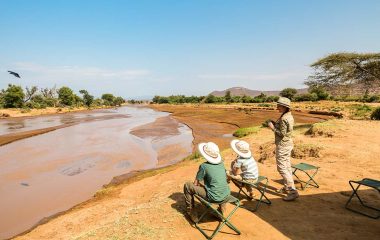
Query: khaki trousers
{"points": [[284, 166], [189, 189]]}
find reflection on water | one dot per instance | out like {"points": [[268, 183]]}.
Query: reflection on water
{"points": [[48, 173], [15, 125]]}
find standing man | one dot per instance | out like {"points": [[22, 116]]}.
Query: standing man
{"points": [[283, 129], [213, 175]]}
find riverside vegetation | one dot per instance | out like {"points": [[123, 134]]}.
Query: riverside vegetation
{"points": [[34, 98]]}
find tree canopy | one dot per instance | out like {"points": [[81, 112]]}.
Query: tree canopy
{"points": [[346, 69], [288, 93]]}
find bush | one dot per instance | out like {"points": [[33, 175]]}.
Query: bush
{"points": [[375, 115], [242, 132], [288, 93], [325, 129], [13, 96], [306, 97], [360, 111]]}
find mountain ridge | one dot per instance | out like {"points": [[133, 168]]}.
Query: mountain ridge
{"points": [[241, 91]]}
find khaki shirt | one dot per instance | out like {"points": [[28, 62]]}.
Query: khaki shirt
{"points": [[283, 129]]}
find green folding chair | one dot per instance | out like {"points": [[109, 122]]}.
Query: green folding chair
{"points": [[306, 168], [375, 184], [222, 219], [261, 180]]}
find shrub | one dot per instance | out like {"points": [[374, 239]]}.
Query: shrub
{"points": [[13, 96], [326, 129], [242, 132], [375, 115], [360, 111]]}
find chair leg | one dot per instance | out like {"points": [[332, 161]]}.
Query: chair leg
{"points": [[225, 220], [262, 195], [307, 183], [311, 179], [355, 193]]}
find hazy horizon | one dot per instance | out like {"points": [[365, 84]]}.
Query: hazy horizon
{"points": [[144, 48]]}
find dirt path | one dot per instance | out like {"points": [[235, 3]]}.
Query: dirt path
{"points": [[153, 207]]}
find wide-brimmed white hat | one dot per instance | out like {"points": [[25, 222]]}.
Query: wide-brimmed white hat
{"points": [[283, 101], [210, 151], [241, 148]]}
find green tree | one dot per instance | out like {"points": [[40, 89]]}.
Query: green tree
{"points": [[118, 101], [320, 91], [228, 97], [288, 93], [210, 99], [66, 96], [108, 99], [346, 69], [87, 98], [13, 96]]}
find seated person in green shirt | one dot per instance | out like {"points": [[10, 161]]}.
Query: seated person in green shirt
{"points": [[213, 175]]}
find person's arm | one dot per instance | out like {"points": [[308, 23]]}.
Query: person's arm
{"points": [[237, 168], [282, 128], [200, 176]]}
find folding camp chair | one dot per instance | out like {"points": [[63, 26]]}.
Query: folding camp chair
{"points": [[375, 184], [261, 179], [304, 167], [223, 220]]}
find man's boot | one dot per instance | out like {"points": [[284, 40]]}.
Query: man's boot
{"points": [[291, 196]]}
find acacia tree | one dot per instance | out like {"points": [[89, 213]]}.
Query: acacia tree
{"points": [[66, 96], [288, 93], [87, 98], [346, 69]]}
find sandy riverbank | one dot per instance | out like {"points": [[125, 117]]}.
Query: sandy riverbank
{"points": [[152, 207], [217, 122]]}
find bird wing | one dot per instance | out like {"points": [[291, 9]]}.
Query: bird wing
{"points": [[14, 73]]}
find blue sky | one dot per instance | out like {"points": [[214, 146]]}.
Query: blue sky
{"points": [[144, 48]]}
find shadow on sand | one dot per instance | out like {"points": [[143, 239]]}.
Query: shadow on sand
{"points": [[312, 216]]}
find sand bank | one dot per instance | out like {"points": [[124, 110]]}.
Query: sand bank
{"points": [[217, 122]]}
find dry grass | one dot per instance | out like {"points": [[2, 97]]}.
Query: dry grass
{"points": [[325, 129]]}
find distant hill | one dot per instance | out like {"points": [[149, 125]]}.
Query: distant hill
{"points": [[240, 91]]}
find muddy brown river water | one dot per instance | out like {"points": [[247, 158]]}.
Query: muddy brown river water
{"points": [[51, 172]]}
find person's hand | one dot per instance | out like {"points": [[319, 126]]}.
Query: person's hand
{"points": [[270, 125]]}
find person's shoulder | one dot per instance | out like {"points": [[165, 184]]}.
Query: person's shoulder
{"points": [[287, 116]]}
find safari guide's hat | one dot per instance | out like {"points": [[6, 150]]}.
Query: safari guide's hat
{"points": [[241, 148], [283, 101], [210, 151]]}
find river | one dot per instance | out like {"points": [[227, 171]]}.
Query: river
{"points": [[49, 173]]}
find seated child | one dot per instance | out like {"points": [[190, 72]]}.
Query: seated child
{"points": [[244, 167]]}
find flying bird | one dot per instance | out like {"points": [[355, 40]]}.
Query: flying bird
{"points": [[14, 73]]}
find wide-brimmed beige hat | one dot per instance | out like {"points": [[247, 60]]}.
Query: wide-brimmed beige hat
{"points": [[241, 148], [210, 151], [283, 101]]}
